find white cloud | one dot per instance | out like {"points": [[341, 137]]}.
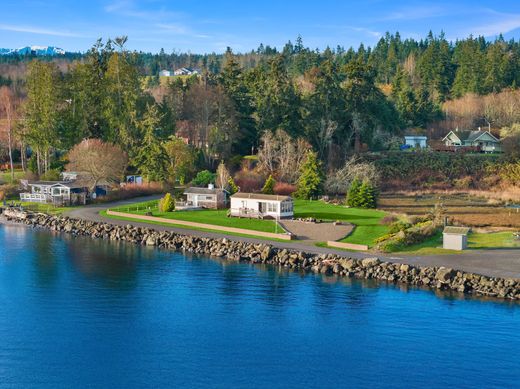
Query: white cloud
{"points": [[173, 27], [416, 13], [502, 24], [129, 8], [39, 31]]}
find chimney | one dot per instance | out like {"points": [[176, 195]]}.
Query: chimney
{"points": [[211, 186]]}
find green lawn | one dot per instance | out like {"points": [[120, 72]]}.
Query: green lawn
{"points": [[492, 240], [130, 219], [207, 216], [5, 177], [45, 208], [367, 221]]}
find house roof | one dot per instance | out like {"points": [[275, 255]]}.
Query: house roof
{"points": [[260, 196], [195, 190], [416, 136], [47, 183], [456, 230], [469, 135], [68, 184]]}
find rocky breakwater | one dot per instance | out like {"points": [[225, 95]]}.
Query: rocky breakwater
{"points": [[369, 268]]}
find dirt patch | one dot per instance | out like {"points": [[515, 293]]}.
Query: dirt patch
{"points": [[317, 232]]}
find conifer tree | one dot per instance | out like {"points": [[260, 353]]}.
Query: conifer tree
{"points": [[167, 203], [151, 159], [269, 185], [232, 186], [310, 183], [353, 193]]}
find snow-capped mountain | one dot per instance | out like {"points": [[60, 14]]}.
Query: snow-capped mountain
{"points": [[36, 50]]}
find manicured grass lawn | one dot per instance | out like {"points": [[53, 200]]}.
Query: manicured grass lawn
{"points": [[367, 221], [208, 216], [252, 235], [492, 240]]}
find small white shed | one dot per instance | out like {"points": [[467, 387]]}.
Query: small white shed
{"points": [[455, 238], [417, 141], [257, 205]]}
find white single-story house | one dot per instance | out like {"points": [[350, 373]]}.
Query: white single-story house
{"points": [[209, 197], [56, 192], [257, 205], [186, 72], [165, 73], [416, 141], [484, 140], [455, 238]]}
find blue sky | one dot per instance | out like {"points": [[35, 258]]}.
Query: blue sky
{"points": [[200, 26]]}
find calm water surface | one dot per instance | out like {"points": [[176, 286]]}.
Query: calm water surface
{"points": [[79, 313]]}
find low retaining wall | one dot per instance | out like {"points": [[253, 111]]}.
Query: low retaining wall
{"points": [[329, 264], [348, 246], [234, 230]]}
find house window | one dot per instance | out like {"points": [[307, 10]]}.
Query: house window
{"points": [[287, 207], [272, 207]]}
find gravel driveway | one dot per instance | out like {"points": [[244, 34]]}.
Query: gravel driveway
{"points": [[317, 232]]}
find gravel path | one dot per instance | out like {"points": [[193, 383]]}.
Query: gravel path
{"points": [[495, 263], [316, 232]]}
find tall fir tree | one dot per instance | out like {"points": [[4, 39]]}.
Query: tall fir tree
{"points": [[310, 182]]}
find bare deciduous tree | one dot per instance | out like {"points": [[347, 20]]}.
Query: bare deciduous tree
{"points": [[339, 181], [282, 156], [8, 108], [99, 161], [223, 176]]}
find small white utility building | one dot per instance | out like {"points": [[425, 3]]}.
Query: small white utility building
{"points": [[416, 141], [455, 238], [260, 206]]}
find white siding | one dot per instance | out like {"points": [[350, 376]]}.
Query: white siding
{"points": [[252, 207]]}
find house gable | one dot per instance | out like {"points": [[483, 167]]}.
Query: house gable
{"points": [[486, 137], [452, 137]]}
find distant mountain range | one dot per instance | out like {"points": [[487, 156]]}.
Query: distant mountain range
{"points": [[35, 50]]}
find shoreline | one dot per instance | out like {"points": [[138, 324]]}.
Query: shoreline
{"points": [[436, 278]]}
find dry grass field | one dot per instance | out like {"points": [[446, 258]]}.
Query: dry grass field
{"points": [[460, 208]]}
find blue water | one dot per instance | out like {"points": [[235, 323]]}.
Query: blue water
{"points": [[80, 313]]}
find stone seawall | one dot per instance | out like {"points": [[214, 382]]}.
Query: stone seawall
{"points": [[369, 268]]}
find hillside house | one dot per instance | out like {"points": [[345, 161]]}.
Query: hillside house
{"points": [[165, 73], [210, 197], [483, 140], [260, 206], [186, 72], [416, 141]]}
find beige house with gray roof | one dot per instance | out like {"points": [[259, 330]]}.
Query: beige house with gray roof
{"points": [[484, 140]]}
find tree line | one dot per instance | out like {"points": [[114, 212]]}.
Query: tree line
{"points": [[336, 102]]}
